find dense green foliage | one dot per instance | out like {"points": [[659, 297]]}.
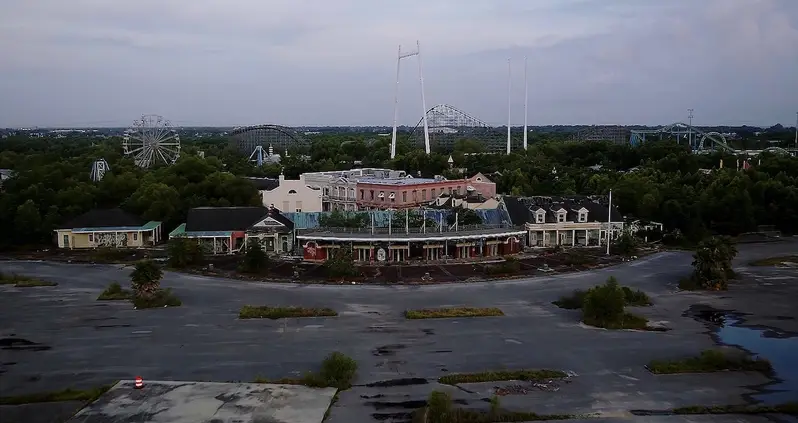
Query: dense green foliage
{"points": [[255, 260], [711, 361], [667, 185], [712, 263], [184, 252]]}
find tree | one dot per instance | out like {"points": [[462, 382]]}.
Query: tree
{"points": [[146, 278], [255, 259], [28, 220], [603, 304], [185, 252], [625, 245], [338, 219], [340, 264], [464, 217], [712, 262]]}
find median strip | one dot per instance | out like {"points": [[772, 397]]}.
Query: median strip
{"points": [[502, 375], [266, 312], [442, 313]]}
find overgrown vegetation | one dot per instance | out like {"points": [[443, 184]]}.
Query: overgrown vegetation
{"points": [[114, 292], [502, 375], [510, 266], [712, 264], [146, 284], [266, 312], [710, 361], [86, 395], [625, 245], [576, 299], [440, 409], [337, 371], [439, 313], [339, 264], [603, 307], [255, 260], [185, 252], [23, 281], [790, 408], [774, 261]]}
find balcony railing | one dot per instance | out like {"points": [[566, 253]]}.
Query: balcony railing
{"points": [[400, 229]]}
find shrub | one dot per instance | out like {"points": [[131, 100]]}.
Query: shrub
{"points": [[573, 301], [115, 292], [604, 304], [635, 298], [107, 254], [266, 312], [255, 259], [439, 407], [712, 263], [146, 278], [160, 298], [338, 370], [625, 245], [509, 266], [437, 313], [625, 321], [184, 252], [340, 264], [710, 361]]}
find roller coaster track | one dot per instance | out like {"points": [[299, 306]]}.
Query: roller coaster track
{"points": [[707, 141]]}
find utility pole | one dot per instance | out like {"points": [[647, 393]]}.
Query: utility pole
{"points": [[609, 223], [796, 129], [509, 92], [526, 102], [690, 127]]}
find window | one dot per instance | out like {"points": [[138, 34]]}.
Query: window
{"points": [[382, 195], [352, 193], [392, 196], [285, 206], [135, 236], [433, 193], [298, 206], [423, 195], [404, 196], [372, 194], [540, 217], [291, 191], [91, 237], [560, 217], [582, 216], [362, 194], [450, 190]]}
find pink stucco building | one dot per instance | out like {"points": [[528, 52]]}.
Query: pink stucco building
{"points": [[402, 193]]}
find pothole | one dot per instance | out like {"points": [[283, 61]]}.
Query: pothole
{"points": [[398, 382], [387, 350]]}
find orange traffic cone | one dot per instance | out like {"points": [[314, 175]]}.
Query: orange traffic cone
{"points": [[139, 382]]}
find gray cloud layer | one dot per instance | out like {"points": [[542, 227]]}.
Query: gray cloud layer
{"points": [[303, 62]]}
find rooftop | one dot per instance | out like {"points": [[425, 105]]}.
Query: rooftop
{"points": [[399, 181]]}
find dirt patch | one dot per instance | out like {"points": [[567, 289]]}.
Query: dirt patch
{"points": [[387, 350], [21, 344]]}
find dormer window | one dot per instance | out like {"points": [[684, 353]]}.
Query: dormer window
{"points": [[540, 217], [583, 215], [561, 216]]}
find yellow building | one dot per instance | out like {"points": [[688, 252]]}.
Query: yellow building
{"points": [[108, 228]]}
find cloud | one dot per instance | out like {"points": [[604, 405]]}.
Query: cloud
{"points": [[315, 62]]}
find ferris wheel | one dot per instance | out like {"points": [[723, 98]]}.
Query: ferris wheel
{"points": [[151, 140]]}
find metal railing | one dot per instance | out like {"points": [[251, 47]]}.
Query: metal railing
{"points": [[431, 229]]}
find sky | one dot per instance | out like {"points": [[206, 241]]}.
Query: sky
{"points": [[333, 63]]}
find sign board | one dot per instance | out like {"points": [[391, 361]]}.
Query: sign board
{"points": [[381, 254]]}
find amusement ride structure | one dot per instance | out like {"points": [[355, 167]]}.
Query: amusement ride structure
{"points": [[151, 140]]}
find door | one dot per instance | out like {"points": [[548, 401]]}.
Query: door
{"points": [[66, 241]]}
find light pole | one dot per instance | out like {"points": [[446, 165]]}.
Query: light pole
{"points": [[690, 127], [609, 223]]}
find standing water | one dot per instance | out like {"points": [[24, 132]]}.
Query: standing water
{"points": [[779, 348]]}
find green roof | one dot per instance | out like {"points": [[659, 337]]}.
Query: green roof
{"points": [[151, 225], [180, 230]]}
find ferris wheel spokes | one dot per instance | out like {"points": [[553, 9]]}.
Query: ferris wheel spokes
{"points": [[151, 140]]}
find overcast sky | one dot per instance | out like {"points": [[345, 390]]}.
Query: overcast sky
{"points": [[333, 62]]}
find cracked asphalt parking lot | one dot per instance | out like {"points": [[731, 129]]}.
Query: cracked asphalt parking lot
{"points": [[90, 343]]}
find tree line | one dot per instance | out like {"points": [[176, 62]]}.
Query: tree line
{"points": [[660, 181]]}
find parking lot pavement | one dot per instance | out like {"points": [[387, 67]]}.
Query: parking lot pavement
{"points": [[80, 342]]}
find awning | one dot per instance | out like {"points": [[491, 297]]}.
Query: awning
{"points": [[465, 244], [433, 246], [363, 247], [398, 247]]}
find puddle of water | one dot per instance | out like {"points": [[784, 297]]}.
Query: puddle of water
{"points": [[779, 348]]}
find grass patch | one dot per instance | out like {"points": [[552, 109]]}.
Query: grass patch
{"points": [[87, 395], [440, 313], [501, 375], [710, 361], [509, 266], [161, 298], [790, 408], [774, 261], [627, 321], [440, 410], [114, 292], [23, 281], [577, 298], [337, 371], [265, 312]]}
